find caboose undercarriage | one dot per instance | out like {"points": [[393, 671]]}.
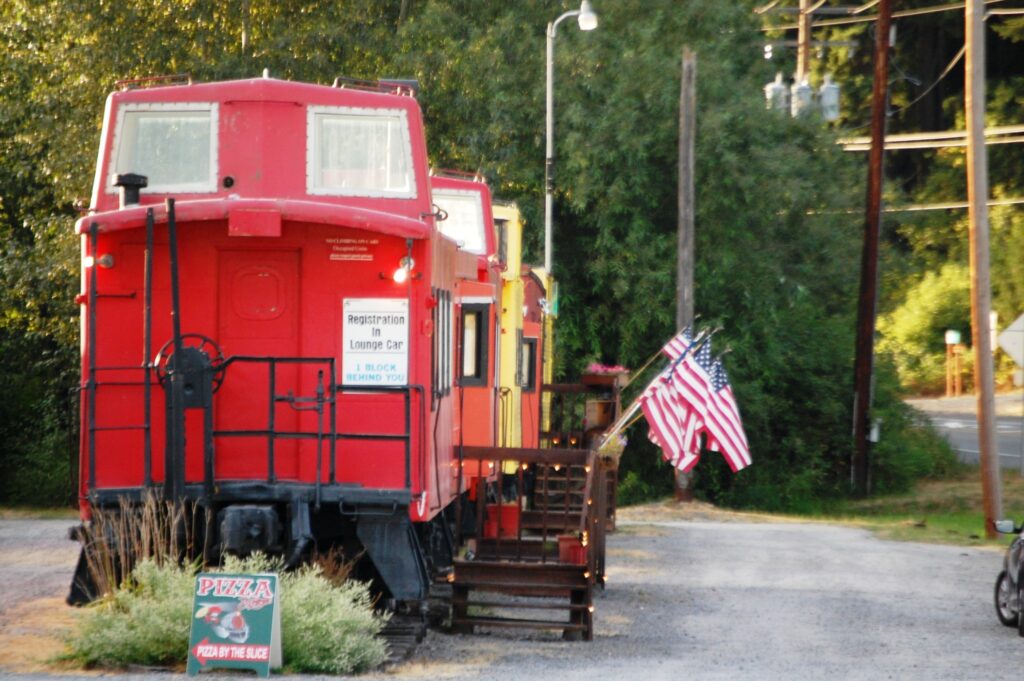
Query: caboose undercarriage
{"points": [[295, 521]]}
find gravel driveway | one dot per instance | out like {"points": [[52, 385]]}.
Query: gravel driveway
{"points": [[700, 598]]}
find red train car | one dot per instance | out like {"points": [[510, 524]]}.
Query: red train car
{"points": [[276, 327]]}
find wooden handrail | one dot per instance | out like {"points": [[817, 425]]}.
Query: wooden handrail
{"points": [[567, 457]]}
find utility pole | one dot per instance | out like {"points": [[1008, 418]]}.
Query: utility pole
{"points": [[864, 360], [685, 240], [687, 125], [981, 293], [803, 41]]}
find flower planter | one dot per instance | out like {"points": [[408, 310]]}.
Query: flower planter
{"points": [[571, 550], [611, 380], [509, 521]]}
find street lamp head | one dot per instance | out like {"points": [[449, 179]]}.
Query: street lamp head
{"points": [[587, 18]]}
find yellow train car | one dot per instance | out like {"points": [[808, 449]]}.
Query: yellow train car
{"points": [[509, 238], [526, 334]]}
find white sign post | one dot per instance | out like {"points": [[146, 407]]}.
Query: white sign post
{"points": [[375, 341]]}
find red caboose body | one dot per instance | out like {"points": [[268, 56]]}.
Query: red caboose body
{"points": [[276, 328]]}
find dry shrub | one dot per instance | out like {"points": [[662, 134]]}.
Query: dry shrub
{"points": [[164, 532]]}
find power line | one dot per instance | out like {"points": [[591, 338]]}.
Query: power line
{"points": [[874, 17], [998, 134], [945, 72], [918, 207], [948, 205]]}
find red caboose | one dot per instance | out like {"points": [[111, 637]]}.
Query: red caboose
{"points": [[269, 321]]}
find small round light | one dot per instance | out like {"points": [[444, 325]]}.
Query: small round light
{"points": [[587, 18], [401, 275]]}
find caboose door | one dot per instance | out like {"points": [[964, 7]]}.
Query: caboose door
{"points": [[258, 317]]}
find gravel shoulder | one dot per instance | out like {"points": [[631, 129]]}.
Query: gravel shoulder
{"points": [[699, 593]]}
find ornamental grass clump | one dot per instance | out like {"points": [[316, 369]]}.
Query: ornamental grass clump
{"points": [[325, 627]]}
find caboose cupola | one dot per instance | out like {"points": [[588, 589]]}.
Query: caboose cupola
{"points": [[264, 137]]}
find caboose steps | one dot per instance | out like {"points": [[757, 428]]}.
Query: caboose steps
{"points": [[552, 586]]}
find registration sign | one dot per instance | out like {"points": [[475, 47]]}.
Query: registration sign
{"points": [[236, 623], [375, 341]]}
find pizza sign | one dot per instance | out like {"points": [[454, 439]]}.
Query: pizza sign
{"points": [[236, 623]]}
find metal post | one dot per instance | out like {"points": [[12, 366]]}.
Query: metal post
{"points": [[864, 360], [981, 293], [174, 466], [549, 129], [147, 353], [949, 370], [92, 355], [271, 420], [549, 146]]}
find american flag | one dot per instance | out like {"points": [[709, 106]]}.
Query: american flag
{"points": [[733, 445], [672, 427], [679, 345], [693, 397]]}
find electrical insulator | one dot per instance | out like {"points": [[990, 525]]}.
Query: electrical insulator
{"points": [[776, 94], [801, 98], [828, 95]]}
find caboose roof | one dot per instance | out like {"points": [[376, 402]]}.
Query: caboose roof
{"points": [[298, 211], [265, 90]]}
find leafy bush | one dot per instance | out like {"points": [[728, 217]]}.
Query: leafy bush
{"points": [[145, 622], [914, 332], [326, 628], [909, 448], [330, 629]]}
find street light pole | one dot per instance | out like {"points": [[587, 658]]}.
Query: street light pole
{"points": [[587, 22]]}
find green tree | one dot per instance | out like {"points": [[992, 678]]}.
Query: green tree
{"points": [[777, 250]]}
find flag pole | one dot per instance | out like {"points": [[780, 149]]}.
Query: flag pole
{"points": [[648, 363], [623, 421]]}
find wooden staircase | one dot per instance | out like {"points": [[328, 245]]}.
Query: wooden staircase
{"points": [[540, 569], [533, 587]]}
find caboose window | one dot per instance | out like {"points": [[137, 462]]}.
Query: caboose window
{"points": [[465, 222], [474, 343], [359, 152], [173, 144], [527, 369], [502, 228]]}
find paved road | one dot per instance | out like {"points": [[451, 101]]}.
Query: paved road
{"points": [[700, 599], [955, 418]]}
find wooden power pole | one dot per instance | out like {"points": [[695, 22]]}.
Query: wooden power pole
{"points": [[803, 41], [864, 360], [687, 125], [685, 245], [981, 293]]}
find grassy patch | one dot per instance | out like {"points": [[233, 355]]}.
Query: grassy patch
{"points": [[32, 513], [938, 511]]}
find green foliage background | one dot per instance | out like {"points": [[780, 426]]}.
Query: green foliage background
{"points": [[777, 202]]}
